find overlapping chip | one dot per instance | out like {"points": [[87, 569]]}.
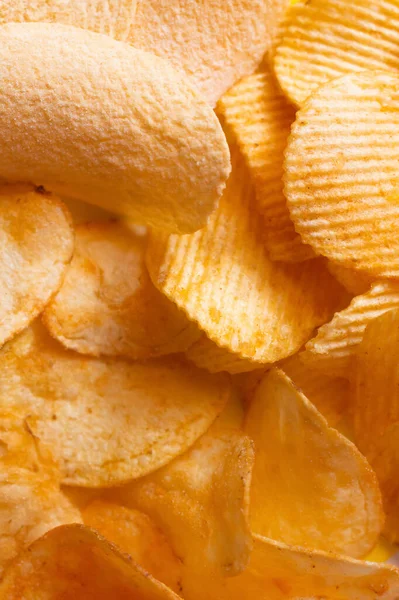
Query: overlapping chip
{"points": [[355, 282], [341, 172], [107, 421]]}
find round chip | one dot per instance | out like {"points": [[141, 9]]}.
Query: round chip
{"points": [[36, 244], [108, 305], [107, 421], [342, 172]]}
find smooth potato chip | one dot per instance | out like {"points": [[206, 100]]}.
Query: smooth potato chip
{"points": [[341, 172], [107, 421], [108, 305], [214, 42], [255, 310], [336, 342], [324, 39], [36, 244], [136, 535], [311, 486], [74, 563], [355, 282], [138, 141]]}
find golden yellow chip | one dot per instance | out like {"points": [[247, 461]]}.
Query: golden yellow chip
{"points": [[355, 282], [341, 172], [214, 42], [36, 244], [246, 383], [257, 311], [108, 305], [135, 534], [311, 487], [138, 141], [260, 119], [107, 421], [324, 39], [74, 563], [336, 342]]}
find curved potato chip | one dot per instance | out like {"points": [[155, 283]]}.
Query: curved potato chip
{"points": [[256, 310], [136, 535], [107, 421], [336, 342], [36, 244], [92, 127], [108, 305], [214, 42], [74, 563], [82, 212], [341, 172], [260, 119], [311, 486], [355, 282], [324, 39], [246, 383]]}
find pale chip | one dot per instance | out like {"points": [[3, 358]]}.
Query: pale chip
{"points": [[355, 282]]}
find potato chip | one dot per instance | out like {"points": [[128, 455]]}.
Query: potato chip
{"points": [[246, 383], [260, 119], [107, 421], [108, 305], [214, 42], [74, 563], [336, 342], [324, 39], [355, 282], [85, 213], [136, 141], [255, 310], [136, 535], [311, 487], [36, 244], [341, 172]]}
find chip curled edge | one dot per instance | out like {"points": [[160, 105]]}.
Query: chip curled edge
{"points": [[354, 281], [107, 421]]}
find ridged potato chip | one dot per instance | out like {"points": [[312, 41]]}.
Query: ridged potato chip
{"points": [[94, 128], [137, 535], [311, 487], [108, 305], [107, 421], [36, 245], [336, 342], [341, 172], [214, 42], [355, 282], [257, 311], [260, 119], [324, 39], [74, 563]]}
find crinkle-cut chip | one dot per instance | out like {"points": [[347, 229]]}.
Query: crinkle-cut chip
{"points": [[107, 421], [311, 487], [336, 342], [341, 172], [73, 562], [278, 572], [140, 142], [82, 212], [260, 119], [108, 306], [330, 395], [137, 535], [113, 17], [36, 245], [324, 39], [255, 309], [214, 42], [355, 282]]}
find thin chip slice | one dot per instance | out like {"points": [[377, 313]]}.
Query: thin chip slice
{"points": [[311, 486], [74, 563], [355, 282], [341, 172], [107, 421], [108, 305], [136, 534], [336, 342], [113, 17], [214, 42], [324, 39], [260, 119], [36, 245], [256, 310]]}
